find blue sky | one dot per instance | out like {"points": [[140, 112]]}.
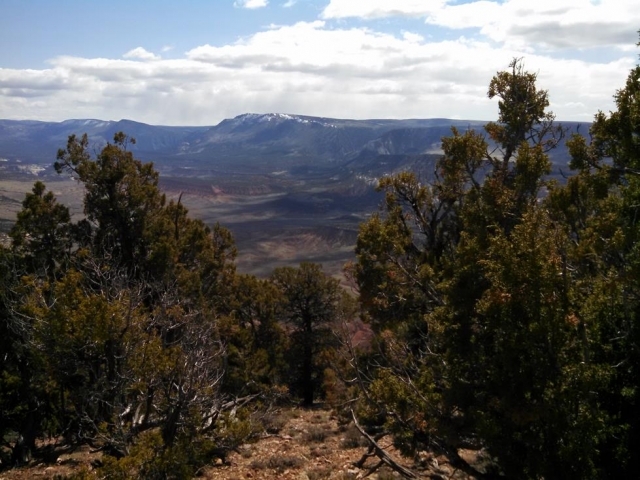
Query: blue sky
{"points": [[198, 62]]}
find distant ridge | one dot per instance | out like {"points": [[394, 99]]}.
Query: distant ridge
{"points": [[247, 143]]}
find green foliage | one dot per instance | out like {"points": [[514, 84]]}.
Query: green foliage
{"points": [[121, 197], [502, 318], [256, 341], [599, 206], [42, 232], [151, 459], [25, 406], [119, 324], [311, 303]]}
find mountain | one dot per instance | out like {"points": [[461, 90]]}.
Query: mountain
{"points": [[38, 142], [248, 143], [289, 187]]}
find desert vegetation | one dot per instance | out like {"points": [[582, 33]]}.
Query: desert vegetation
{"points": [[500, 308]]}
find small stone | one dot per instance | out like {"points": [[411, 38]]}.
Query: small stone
{"points": [[218, 462]]}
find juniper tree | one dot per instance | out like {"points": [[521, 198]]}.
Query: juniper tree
{"points": [[465, 282]]}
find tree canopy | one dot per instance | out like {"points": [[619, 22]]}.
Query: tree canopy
{"points": [[112, 322], [130, 327], [504, 305]]}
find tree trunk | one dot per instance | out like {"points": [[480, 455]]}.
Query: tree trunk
{"points": [[307, 372], [22, 451]]}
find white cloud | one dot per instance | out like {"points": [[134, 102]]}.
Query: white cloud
{"points": [[251, 4], [289, 3], [312, 68], [381, 8], [141, 54], [548, 24], [412, 37]]}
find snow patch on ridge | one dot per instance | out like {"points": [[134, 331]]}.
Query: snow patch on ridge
{"points": [[277, 118]]}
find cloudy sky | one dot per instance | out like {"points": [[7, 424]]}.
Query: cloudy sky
{"points": [[197, 62]]}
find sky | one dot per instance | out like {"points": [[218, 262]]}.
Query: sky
{"points": [[197, 62]]}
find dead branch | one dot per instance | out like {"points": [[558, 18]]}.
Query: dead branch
{"points": [[379, 452]]}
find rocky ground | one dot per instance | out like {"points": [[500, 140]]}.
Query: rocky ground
{"points": [[302, 444]]}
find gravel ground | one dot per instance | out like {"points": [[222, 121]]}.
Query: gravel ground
{"points": [[303, 444]]}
